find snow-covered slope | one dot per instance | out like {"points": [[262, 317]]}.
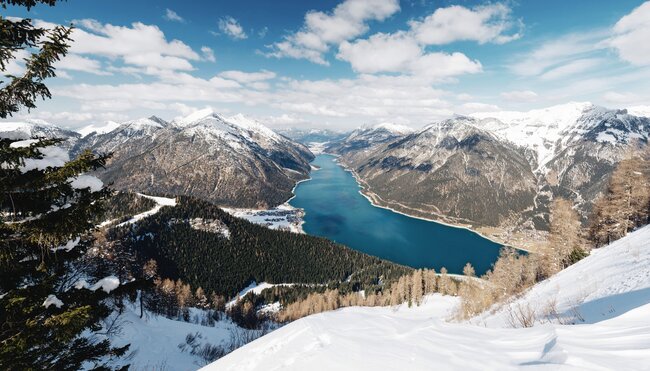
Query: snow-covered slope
{"points": [[550, 130], [610, 290], [610, 282], [104, 141], [101, 128], [37, 128], [155, 340], [368, 136], [639, 111]]}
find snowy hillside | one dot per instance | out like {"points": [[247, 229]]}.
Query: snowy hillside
{"points": [[101, 128], [550, 130], [36, 128], [609, 290]]}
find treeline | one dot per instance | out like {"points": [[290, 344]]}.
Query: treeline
{"points": [[226, 264], [409, 288], [123, 205]]}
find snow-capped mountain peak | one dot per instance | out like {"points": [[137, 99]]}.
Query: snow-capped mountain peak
{"points": [[549, 130], [100, 128], [193, 117], [394, 128]]}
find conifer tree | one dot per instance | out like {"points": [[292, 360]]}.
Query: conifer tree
{"points": [[46, 213]]}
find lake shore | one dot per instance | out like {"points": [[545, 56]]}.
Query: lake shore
{"points": [[377, 201]]}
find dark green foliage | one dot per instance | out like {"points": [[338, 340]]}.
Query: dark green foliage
{"points": [[23, 91], [252, 253], [40, 211], [577, 254]]}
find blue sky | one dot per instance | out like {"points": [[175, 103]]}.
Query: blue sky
{"points": [[342, 64]]}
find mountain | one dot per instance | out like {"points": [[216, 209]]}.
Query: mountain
{"points": [[452, 169], [307, 136], [124, 134], [573, 147], [232, 161], [37, 128], [497, 171], [101, 128], [607, 293], [368, 136]]}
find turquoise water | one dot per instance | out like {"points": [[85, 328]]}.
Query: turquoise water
{"points": [[336, 210]]}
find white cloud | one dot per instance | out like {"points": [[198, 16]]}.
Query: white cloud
{"points": [[171, 15], [16, 66], [483, 24], [75, 62], [571, 68], [231, 27], [400, 52], [208, 54], [139, 45], [73, 117], [557, 52], [621, 98], [519, 96], [631, 35], [248, 77], [473, 107], [322, 30], [381, 53]]}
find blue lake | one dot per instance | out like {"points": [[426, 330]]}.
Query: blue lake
{"points": [[336, 210]]}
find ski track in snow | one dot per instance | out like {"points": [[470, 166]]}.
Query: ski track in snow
{"points": [[160, 203]]}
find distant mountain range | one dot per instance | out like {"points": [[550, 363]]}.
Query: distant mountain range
{"points": [[307, 136], [233, 161], [496, 171]]}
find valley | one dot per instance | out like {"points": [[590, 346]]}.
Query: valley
{"points": [[324, 185], [335, 208], [496, 172]]}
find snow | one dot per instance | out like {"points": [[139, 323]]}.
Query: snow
{"points": [[395, 128], [52, 300], [103, 128], [23, 143], [81, 284], [255, 289], [317, 147], [284, 217], [154, 340], [160, 203], [86, 181], [107, 284], [606, 137], [539, 129], [643, 111], [610, 290], [254, 126], [611, 281], [193, 117], [69, 245], [52, 157]]}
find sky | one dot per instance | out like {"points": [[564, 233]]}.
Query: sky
{"points": [[340, 64]]}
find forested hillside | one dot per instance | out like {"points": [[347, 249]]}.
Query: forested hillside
{"points": [[206, 247]]}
